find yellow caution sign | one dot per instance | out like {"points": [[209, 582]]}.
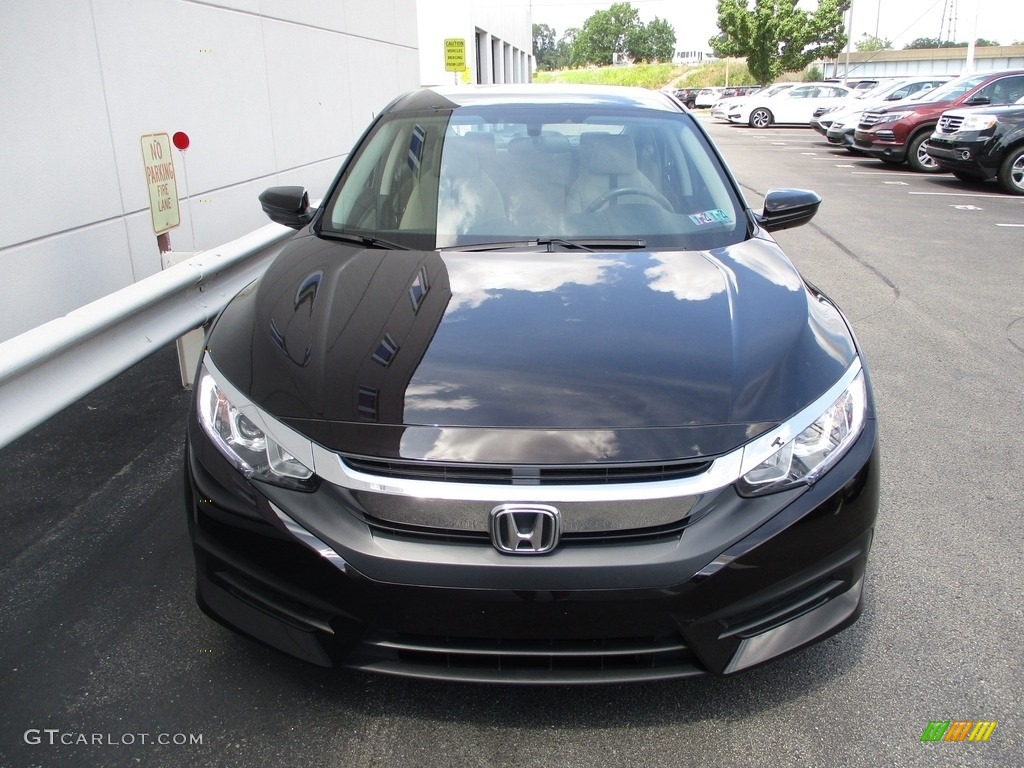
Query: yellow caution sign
{"points": [[454, 54]]}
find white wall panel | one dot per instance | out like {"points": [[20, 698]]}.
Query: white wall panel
{"points": [[312, 13], [310, 92], [48, 278], [390, 77], [57, 167], [171, 66], [375, 20], [269, 91]]}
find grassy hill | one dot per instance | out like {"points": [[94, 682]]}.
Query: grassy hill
{"points": [[654, 76]]}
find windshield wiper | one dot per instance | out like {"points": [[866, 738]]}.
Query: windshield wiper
{"points": [[367, 241], [582, 244], [593, 244]]}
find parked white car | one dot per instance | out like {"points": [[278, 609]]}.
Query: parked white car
{"points": [[708, 96], [793, 106], [723, 107]]}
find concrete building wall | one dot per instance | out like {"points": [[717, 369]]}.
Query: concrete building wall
{"points": [[498, 35], [931, 61], [269, 92]]}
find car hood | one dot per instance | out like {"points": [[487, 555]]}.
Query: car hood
{"points": [[576, 355], [912, 105], [1004, 110]]}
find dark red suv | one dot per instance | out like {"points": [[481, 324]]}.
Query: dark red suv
{"points": [[897, 133]]}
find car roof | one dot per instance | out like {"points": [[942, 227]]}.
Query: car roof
{"points": [[453, 97]]}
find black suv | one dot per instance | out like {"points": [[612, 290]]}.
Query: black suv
{"points": [[981, 144]]}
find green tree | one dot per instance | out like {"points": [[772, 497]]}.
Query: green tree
{"points": [[604, 35], [871, 43], [934, 42], [775, 37], [651, 42], [563, 49], [544, 46]]}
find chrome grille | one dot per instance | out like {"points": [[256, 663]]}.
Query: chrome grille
{"points": [[573, 538], [950, 123], [869, 119], [503, 474]]}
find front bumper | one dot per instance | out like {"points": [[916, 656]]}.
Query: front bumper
{"points": [[821, 124], [840, 137], [881, 144], [717, 597], [963, 155]]}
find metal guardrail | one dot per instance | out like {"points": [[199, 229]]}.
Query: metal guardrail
{"points": [[46, 369]]}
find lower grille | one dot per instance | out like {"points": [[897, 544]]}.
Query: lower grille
{"points": [[527, 661], [781, 610]]}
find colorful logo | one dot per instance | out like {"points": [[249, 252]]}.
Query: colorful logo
{"points": [[958, 730]]}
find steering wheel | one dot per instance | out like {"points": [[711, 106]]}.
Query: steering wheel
{"points": [[602, 200]]}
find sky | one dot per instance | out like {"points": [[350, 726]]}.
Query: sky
{"points": [[899, 21]]}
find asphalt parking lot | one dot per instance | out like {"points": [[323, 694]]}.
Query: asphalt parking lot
{"points": [[106, 660]]}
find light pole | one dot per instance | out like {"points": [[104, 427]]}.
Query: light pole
{"points": [[849, 44], [969, 66]]}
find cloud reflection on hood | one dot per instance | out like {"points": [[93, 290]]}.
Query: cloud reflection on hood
{"points": [[475, 279], [687, 276]]}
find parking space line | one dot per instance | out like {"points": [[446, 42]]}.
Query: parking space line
{"points": [[884, 173], [964, 194], [1010, 225]]}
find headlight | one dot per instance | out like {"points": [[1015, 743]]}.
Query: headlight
{"points": [[807, 456], [978, 123], [237, 435], [892, 117]]}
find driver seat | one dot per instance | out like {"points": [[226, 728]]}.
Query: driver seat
{"points": [[607, 162]]}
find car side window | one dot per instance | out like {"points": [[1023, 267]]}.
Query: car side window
{"points": [[1009, 90]]}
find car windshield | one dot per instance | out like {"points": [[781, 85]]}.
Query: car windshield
{"points": [[573, 175], [956, 88], [879, 92]]}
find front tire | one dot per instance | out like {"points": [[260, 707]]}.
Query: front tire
{"points": [[760, 118], [918, 157], [1011, 172]]}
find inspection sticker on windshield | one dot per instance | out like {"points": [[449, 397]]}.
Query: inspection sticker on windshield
{"points": [[714, 216]]}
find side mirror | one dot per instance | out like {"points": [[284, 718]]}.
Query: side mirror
{"points": [[979, 100], [287, 205], [787, 208]]}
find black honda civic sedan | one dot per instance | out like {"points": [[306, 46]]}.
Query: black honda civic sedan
{"points": [[533, 396]]}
